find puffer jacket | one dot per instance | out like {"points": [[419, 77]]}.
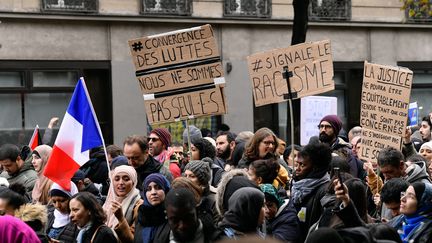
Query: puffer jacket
{"points": [[222, 186], [26, 176], [68, 234]]}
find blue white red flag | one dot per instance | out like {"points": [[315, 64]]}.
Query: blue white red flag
{"points": [[78, 133]]}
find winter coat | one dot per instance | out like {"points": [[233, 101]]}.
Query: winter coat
{"points": [[285, 225], [356, 166], [150, 216], [222, 186], [417, 172], [26, 176], [421, 235], [67, 234], [103, 235], [312, 204], [96, 170], [150, 166]]}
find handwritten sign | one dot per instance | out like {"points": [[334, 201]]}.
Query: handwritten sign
{"points": [[311, 65], [192, 104], [384, 107], [312, 110], [174, 69]]}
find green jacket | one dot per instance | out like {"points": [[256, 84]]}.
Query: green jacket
{"points": [[26, 176]]}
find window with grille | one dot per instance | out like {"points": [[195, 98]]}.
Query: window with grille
{"points": [[248, 8], [85, 6], [169, 7], [330, 10]]}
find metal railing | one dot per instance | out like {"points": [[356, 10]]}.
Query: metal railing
{"points": [[168, 7], [248, 8], [330, 10], [83, 6]]}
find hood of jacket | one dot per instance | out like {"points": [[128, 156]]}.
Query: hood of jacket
{"points": [[416, 172], [222, 186]]}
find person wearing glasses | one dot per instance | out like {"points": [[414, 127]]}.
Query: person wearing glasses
{"points": [[263, 145], [329, 128], [136, 150], [415, 222], [159, 141]]}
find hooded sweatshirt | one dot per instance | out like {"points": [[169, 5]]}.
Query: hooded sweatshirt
{"points": [[417, 172], [244, 207]]}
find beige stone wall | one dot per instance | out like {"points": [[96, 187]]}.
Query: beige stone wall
{"points": [[362, 10]]}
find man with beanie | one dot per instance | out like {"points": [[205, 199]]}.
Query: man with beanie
{"points": [[198, 172], [329, 128], [159, 140]]}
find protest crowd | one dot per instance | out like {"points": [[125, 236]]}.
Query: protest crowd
{"points": [[229, 187]]}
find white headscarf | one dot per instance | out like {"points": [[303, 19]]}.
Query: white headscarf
{"points": [[61, 219], [131, 198]]}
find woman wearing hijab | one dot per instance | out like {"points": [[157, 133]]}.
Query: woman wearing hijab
{"points": [[122, 202], [415, 222], [59, 226], [40, 193], [87, 214], [245, 213], [151, 214]]}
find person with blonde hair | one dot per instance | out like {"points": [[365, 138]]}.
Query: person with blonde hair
{"points": [[35, 216]]}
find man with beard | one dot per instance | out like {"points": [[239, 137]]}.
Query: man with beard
{"points": [[329, 128], [158, 141], [225, 144]]}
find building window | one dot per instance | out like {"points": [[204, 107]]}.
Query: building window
{"points": [[330, 10], [83, 6], [248, 8], [32, 92], [418, 10], [171, 7]]}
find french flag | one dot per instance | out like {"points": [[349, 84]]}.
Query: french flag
{"points": [[78, 133], [35, 140]]}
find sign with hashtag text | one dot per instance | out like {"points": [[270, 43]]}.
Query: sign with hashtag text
{"points": [[180, 74], [311, 65]]}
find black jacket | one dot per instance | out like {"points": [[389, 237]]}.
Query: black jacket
{"points": [[151, 165], [68, 233], [103, 235], [150, 216], [285, 225]]}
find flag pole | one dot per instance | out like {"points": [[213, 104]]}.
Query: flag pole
{"points": [[98, 127]]}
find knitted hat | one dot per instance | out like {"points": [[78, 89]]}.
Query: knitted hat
{"points": [[201, 170], [233, 185], [271, 194], [334, 121], [427, 145], [194, 133], [164, 135]]}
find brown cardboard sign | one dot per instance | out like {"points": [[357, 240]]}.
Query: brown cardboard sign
{"points": [[185, 105], [179, 78], [176, 47], [311, 65], [373, 141], [384, 102], [180, 74]]}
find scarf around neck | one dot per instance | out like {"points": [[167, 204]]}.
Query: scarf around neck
{"points": [[303, 188]]}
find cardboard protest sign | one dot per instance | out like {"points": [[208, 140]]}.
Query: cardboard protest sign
{"points": [[169, 66], [384, 107], [191, 104], [181, 46], [311, 65]]}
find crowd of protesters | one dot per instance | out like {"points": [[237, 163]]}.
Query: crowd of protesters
{"points": [[246, 186]]}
